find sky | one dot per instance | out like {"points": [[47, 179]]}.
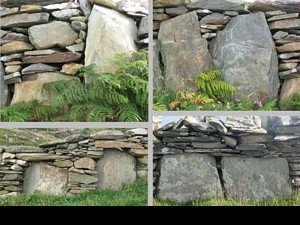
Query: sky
{"points": [[168, 119]]}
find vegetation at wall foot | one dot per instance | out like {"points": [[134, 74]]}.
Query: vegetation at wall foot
{"points": [[130, 195]]}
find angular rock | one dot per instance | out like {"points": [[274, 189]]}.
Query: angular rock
{"points": [[217, 124], [110, 33], [85, 7], [24, 20], [215, 18], [75, 138], [116, 145], [7, 155], [283, 17], [13, 57], [31, 8], [248, 59], [280, 34], [33, 157], [70, 68], [289, 6], [82, 178], [40, 52], [290, 47], [260, 138], [61, 57], [131, 7], [188, 177], [65, 14], [230, 141], [4, 96], [15, 37], [9, 11], [85, 163], [108, 135], [78, 25], [177, 11], [116, 169], [217, 5], [76, 48], [63, 164], [184, 52], [58, 34], [15, 47], [196, 125], [16, 177], [137, 132], [138, 152], [24, 149], [285, 24], [62, 6], [33, 89], [12, 69], [256, 179], [143, 27], [158, 80], [45, 178], [289, 88], [38, 68]]}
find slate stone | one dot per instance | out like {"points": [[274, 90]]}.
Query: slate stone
{"points": [[258, 179], [217, 5], [188, 177], [137, 132], [184, 53], [15, 37], [24, 20], [143, 27], [290, 47], [78, 26], [162, 134], [24, 149], [255, 74], [177, 11], [82, 178], [259, 138], [13, 57], [108, 135], [289, 88], [65, 14], [208, 145], [76, 48], [60, 57], [33, 157], [251, 147], [57, 33], [15, 47], [38, 68], [215, 18], [217, 124]]}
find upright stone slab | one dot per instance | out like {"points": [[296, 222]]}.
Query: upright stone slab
{"points": [[116, 169], [289, 88], [256, 179], [245, 52], [188, 177], [3, 87], [109, 33], [45, 178], [184, 53]]}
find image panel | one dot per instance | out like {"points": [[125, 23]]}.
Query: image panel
{"points": [[223, 55], [74, 61], [74, 167], [226, 161]]}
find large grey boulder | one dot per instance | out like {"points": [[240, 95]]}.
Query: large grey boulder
{"points": [[245, 52], [188, 177], [110, 33], [184, 53], [256, 179], [45, 178], [116, 169], [52, 34]]}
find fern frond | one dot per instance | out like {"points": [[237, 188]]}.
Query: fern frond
{"points": [[128, 113], [100, 113]]}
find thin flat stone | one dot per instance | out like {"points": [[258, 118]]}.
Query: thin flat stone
{"points": [[31, 8], [274, 13], [16, 47], [9, 58], [38, 68], [54, 58], [9, 11], [24, 20], [65, 14], [40, 52], [280, 34], [283, 17], [76, 48], [12, 76], [289, 55], [69, 5]]}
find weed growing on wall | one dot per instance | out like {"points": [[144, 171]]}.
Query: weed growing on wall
{"points": [[122, 96]]}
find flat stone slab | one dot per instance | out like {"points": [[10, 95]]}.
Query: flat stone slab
{"points": [[61, 57], [116, 144], [24, 20], [256, 179], [108, 135], [33, 157], [188, 177], [24, 149], [45, 178], [116, 169]]}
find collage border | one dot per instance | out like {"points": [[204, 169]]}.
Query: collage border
{"points": [[151, 114]]}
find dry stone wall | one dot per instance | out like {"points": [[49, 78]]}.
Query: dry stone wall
{"points": [[245, 158], [106, 160], [255, 46], [44, 41]]}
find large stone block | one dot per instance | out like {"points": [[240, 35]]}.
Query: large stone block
{"points": [[256, 179], [116, 169], [33, 89], [184, 53], [245, 52], [56, 33], [45, 178], [188, 177], [109, 33]]}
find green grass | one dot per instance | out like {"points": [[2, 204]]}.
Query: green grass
{"points": [[292, 201], [130, 195]]}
